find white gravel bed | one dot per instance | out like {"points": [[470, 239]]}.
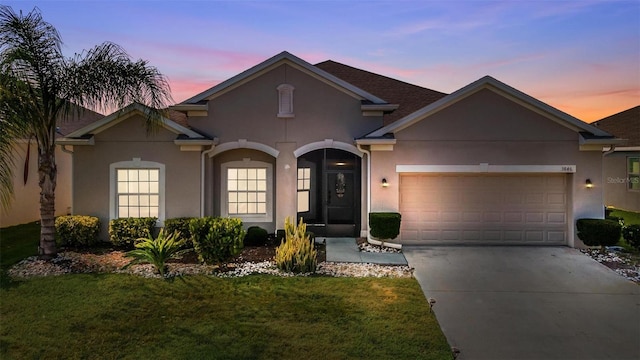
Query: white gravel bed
{"points": [[115, 262], [616, 261], [366, 247]]}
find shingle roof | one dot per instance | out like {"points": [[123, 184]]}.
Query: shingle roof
{"points": [[410, 97], [77, 121], [625, 125]]}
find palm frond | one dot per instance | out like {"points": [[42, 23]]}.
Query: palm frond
{"points": [[105, 78]]}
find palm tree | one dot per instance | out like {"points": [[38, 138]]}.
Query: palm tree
{"points": [[39, 87]]}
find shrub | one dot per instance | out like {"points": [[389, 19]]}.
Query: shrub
{"points": [[157, 251], [77, 230], [594, 232], [256, 236], [296, 252], [216, 239], [384, 225], [180, 225], [125, 232], [631, 233]]}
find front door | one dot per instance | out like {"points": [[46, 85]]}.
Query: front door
{"points": [[329, 192]]}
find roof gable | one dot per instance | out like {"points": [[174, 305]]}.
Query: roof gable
{"points": [[625, 124], [503, 89], [125, 113], [289, 59]]}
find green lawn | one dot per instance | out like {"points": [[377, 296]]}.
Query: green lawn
{"points": [[18, 242], [113, 316], [629, 217], [110, 316]]}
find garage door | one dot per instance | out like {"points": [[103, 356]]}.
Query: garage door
{"points": [[485, 209]]}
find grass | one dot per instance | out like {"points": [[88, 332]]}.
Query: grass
{"points": [[629, 217], [18, 242], [112, 316]]}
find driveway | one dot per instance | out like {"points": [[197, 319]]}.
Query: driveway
{"points": [[529, 302]]}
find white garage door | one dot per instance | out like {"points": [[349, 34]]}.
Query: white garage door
{"points": [[484, 209]]}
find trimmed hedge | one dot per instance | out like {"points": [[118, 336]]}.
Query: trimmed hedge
{"points": [[385, 225], [602, 232], [77, 230], [125, 232], [631, 233], [256, 236], [216, 239], [182, 226]]}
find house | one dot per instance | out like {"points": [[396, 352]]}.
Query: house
{"points": [[621, 164], [25, 205], [329, 143]]}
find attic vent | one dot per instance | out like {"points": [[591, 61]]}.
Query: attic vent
{"points": [[285, 101]]}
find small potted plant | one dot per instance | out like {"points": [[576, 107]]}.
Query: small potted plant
{"points": [[384, 226]]}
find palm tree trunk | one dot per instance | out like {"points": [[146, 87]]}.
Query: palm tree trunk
{"points": [[47, 172]]}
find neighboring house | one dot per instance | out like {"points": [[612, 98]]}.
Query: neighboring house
{"points": [[25, 205], [621, 164], [329, 143]]}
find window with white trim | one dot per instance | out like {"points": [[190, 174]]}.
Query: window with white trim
{"points": [[247, 188], [633, 173], [247, 191], [137, 189], [138, 192], [304, 189], [285, 101]]}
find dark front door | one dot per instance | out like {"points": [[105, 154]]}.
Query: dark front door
{"points": [[329, 192]]}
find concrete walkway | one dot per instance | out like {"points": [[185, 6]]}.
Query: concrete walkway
{"points": [[346, 250], [529, 302]]}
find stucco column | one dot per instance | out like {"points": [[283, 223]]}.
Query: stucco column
{"points": [[286, 182]]}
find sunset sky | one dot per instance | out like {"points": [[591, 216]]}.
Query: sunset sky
{"points": [[582, 57]]}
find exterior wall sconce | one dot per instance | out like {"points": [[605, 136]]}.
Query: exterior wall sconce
{"points": [[385, 183], [588, 184]]}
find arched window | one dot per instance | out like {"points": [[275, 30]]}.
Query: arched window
{"points": [[285, 101]]}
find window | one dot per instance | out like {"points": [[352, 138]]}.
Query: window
{"points": [[137, 189], [304, 189], [633, 173], [247, 190], [138, 192], [285, 101]]}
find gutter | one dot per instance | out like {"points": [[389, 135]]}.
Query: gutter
{"points": [[371, 240], [202, 175], [610, 151]]}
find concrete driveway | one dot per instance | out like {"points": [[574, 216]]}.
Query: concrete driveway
{"points": [[529, 302]]}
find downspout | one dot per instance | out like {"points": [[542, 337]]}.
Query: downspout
{"points": [[369, 239], [610, 151], [202, 174], [368, 153], [67, 151]]}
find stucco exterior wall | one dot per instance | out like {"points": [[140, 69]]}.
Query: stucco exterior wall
{"points": [[25, 205], [489, 129], [124, 142], [250, 112], [615, 181]]}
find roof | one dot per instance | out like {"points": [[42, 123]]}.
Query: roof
{"points": [[121, 115], [488, 82], [409, 97], [77, 121], [275, 61], [625, 124]]}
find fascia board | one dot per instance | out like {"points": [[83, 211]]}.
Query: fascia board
{"points": [[488, 82], [283, 57], [121, 115]]}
